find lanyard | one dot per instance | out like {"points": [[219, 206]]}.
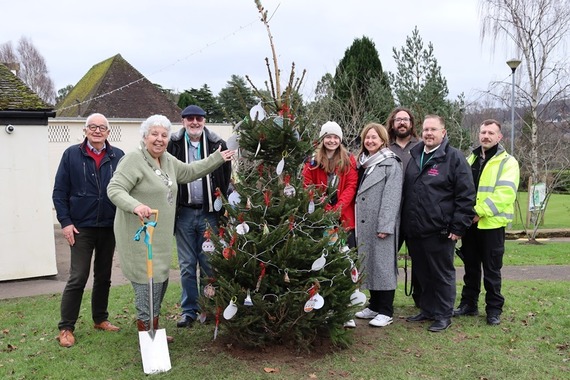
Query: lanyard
{"points": [[422, 160]]}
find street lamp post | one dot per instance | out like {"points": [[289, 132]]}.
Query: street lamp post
{"points": [[513, 64]]}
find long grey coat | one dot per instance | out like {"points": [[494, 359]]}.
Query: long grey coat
{"points": [[378, 211]]}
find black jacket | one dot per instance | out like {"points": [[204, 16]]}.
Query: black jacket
{"points": [[80, 190], [439, 198], [219, 178]]}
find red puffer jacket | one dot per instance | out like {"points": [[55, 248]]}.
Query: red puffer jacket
{"points": [[348, 181]]}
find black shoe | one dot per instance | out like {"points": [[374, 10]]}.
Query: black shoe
{"points": [[418, 318], [440, 325], [185, 321], [465, 310], [494, 320]]}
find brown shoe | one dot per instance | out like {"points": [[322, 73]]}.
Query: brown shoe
{"points": [[169, 339], [106, 326], [66, 338]]}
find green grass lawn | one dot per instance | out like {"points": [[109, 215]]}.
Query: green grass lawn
{"points": [[557, 211], [531, 343]]}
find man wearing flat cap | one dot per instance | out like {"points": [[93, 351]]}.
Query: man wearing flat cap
{"points": [[195, 210]]}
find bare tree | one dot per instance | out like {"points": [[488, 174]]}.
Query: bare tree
{"points": [[538, 29], [8, 56], [30, 67]]}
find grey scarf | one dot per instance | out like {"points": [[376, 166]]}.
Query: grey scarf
{"points": [[370, 162]]}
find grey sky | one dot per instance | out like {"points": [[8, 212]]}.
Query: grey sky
{"points": [[182, 44]]}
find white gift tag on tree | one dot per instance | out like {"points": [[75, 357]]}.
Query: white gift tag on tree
{"points": [[242, 228], [234, 198], [257, 112], [319, 301], [319, 263], [311, 208], [357, 298], [218, 204], [231, 309], [309, 305], [280, 166]]}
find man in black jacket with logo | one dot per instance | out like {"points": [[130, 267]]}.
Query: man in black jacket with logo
{"points": [[196, 204], [438, 200]]}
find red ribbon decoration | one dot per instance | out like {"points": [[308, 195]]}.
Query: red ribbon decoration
{"points": [[221, 232], [261, 275], [217, 193], [218, 312], [260, 170], [285, 111], [267, 197], [287, 179], [311, 195], [314, 289], [207, 234]]}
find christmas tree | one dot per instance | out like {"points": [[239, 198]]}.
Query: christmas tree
{"points": [[282, 271]]}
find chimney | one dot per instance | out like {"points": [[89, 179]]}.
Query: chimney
{"points": [[14, 67]]}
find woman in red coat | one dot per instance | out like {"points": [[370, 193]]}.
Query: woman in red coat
{"points": [[332, 169]]}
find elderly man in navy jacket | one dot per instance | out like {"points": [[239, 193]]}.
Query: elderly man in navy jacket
{"points": [[86, 216], [438, 201]]}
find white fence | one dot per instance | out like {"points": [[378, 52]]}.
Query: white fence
{"points": [[124, 134]]}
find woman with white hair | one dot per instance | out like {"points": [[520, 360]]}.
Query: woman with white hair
{"points": [[148, 179]]}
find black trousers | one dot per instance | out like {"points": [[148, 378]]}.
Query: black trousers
{"points": [[382, 301], [483, 249], [432, 260], [100, 241]]}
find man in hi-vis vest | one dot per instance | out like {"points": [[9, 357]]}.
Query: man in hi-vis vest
{"points": [[496, 178]]}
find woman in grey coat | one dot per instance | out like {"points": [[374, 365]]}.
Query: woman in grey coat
{"points": [[378, 200]]}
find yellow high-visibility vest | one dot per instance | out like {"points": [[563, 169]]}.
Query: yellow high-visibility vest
{"points": [[497, 190]]}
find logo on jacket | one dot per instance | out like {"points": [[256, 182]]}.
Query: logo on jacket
{"points": [[433, 171]]}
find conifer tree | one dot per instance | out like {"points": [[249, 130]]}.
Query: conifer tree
{"points": [[420, 86], [282, 272]]}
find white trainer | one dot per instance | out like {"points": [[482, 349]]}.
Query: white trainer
{"points": [[366, 314], [381, 320], [350, 324]]}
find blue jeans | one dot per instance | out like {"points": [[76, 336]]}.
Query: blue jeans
{"points": [[190, 226]]}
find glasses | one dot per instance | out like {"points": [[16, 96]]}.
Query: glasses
{"points": [[402, 120], [431, 130], [199, 119], [93, 127]]}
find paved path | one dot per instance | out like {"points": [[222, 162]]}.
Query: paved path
{"points": [[56, 284]]}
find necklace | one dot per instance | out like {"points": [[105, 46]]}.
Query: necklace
{"points": [[165, 179]]}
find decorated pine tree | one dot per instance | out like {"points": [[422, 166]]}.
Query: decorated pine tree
{"points": [[282, 271]]}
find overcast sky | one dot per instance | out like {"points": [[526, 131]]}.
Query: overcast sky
{"points": [[182, 44]]}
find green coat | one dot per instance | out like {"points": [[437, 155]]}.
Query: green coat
{"points": [[134, 183]]}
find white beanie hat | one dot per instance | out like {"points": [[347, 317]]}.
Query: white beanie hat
{"points": [[330, 128]]}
